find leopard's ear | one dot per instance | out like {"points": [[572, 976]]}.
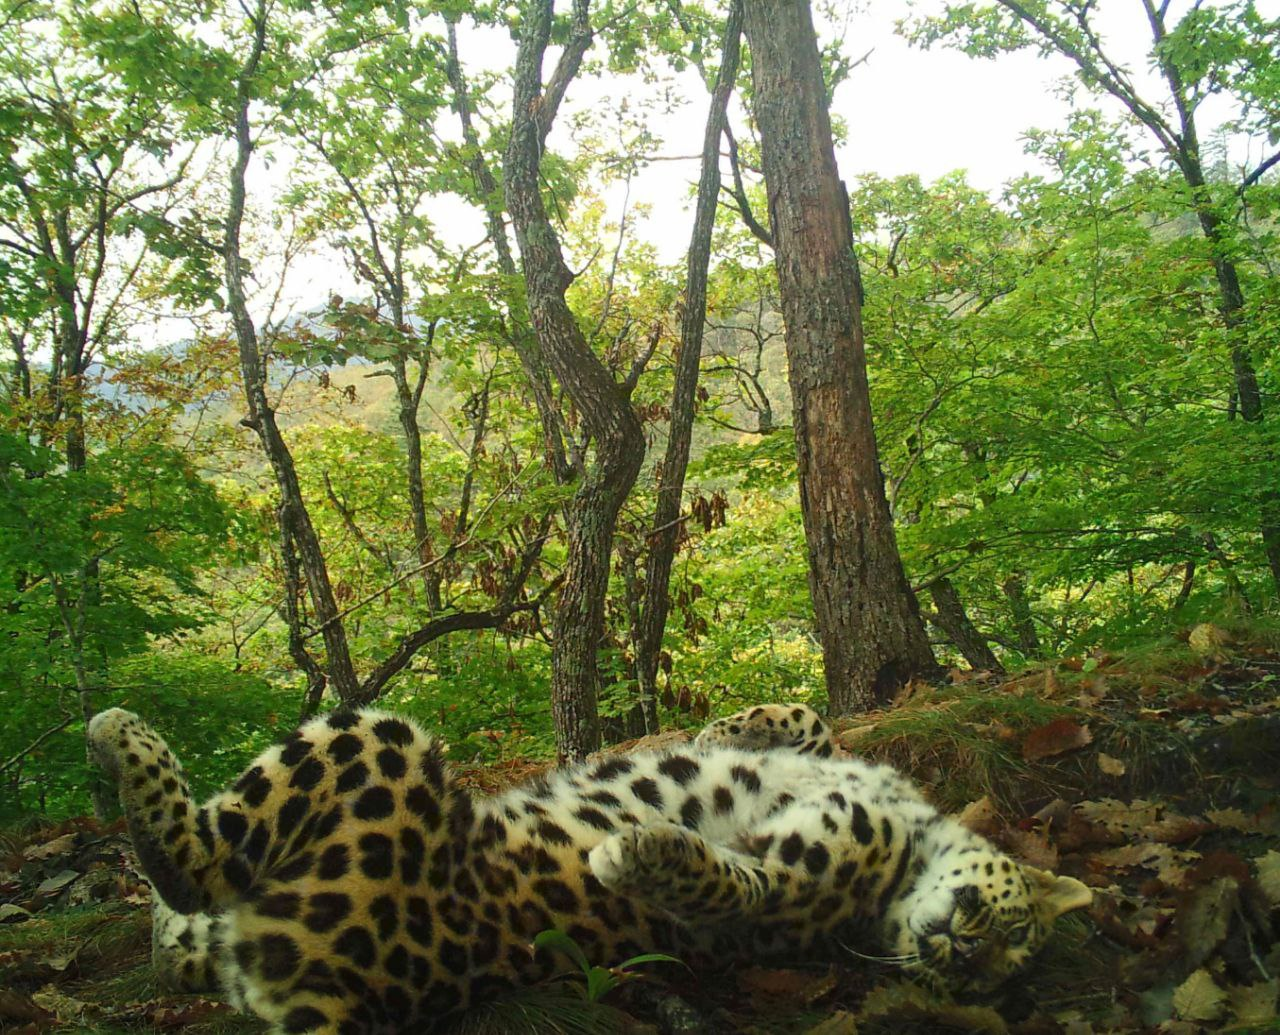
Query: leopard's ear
{"points": [[1056, 895]]}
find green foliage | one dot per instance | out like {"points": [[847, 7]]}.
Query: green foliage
{"points": [[597, 981], [1051, 373]]}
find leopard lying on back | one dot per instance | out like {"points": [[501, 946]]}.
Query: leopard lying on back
{"points": [[347, 884]]}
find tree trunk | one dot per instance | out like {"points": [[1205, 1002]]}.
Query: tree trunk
{"points": [[526, 344], [407, 399], [1023, 623], [1231, 308], [666, 511], [619, 440], [873, 639], [294, 518], [954, 622]]}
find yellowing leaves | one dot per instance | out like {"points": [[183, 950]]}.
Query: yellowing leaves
{"points": [[1269, 876], [1110, 766], [1254, 1004], [1199, 998], [1210, 643]]}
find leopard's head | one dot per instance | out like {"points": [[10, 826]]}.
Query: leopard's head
{"points": [[975, 917]]}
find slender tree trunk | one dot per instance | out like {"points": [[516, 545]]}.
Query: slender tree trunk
{"points": [[408, 396], [1231, 307], [1023, 623], [68, 388], [955, 623], [1188, 584], [666, 531], [293, 511], [526, 344], [407, 412], [619, 441], [873, 639]]}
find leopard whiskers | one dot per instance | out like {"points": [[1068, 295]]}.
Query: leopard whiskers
{"points": [[904, 960]]}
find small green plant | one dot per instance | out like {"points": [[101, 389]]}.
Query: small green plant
{"points": [[599, 981]]}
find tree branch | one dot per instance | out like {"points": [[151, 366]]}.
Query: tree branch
{"points": [[739, 191], [11, 762]]}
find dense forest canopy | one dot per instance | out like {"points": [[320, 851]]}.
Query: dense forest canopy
{"points": [[343, 362]]}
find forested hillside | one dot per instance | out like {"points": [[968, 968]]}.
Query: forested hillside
{"points": [[224, 503], [350, 358]]}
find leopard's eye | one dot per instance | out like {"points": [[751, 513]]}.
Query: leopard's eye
{"points": [[1018, 935]]}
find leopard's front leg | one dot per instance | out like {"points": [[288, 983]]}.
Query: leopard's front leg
{"points": [[675, 869]]}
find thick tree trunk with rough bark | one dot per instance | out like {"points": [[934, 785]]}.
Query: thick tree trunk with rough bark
{"points": [[954, 621], [873, 639], [666, 511], [614, 428]]}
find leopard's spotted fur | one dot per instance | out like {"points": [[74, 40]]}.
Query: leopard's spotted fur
{"points": [[354, 887]]}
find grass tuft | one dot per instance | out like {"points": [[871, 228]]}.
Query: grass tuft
{"points": [[542, 1010]]}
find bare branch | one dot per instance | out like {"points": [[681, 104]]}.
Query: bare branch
{"points": [[14, 760]]}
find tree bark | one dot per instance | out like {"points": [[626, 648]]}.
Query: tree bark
{"points": [[955, 623], [295, 521], [619, 441], [1023, 623], [408, 398], [873, 639], [675, 462]]}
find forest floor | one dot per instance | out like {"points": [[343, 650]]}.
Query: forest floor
{"points": [[1152, 775]]}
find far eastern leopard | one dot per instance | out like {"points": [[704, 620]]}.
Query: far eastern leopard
{"points": [[347, 884]]}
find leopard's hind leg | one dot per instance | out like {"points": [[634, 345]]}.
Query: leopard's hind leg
{"points": [[184, 948], [203, 858], [794, 727]]}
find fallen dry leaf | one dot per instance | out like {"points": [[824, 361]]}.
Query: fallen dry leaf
{"points": [[67, 1008], [1199, 999], [1110, 766], [1173, 829], [842, 1022], [1205, 918], [1209, 642], [1031, 846], [980, 817], [11, 913], [58, 846], [160, 1013], [803, 986], [904, 1002], [1232, 819], [1054, 738], [56, 883], [1169, 864], [1269, 876], [1052, 685], [1254, 1004]]}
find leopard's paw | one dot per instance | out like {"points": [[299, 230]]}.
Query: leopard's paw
{"points": [[110, 734], [640, 855]]}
